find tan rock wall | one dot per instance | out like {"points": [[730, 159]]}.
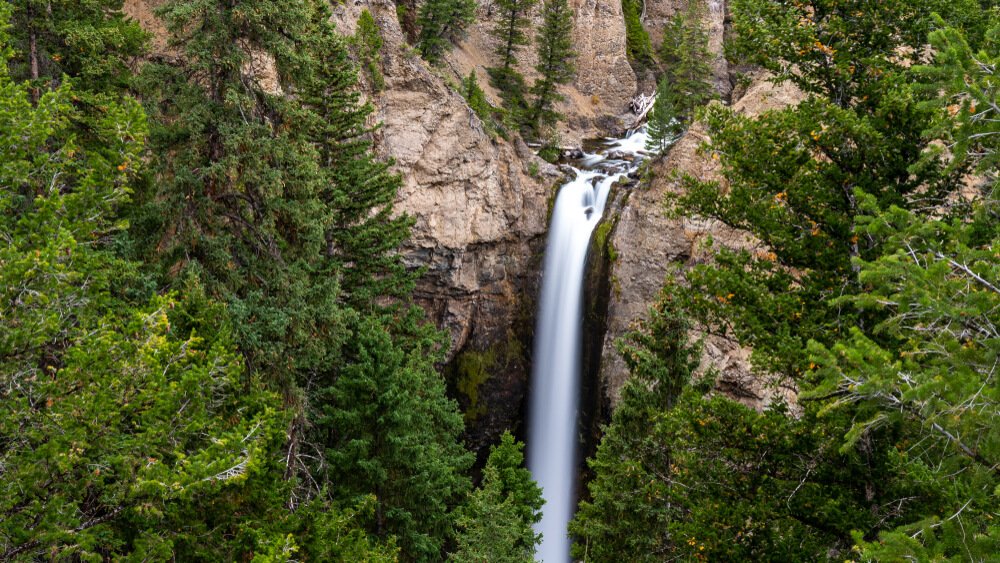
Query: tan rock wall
{"points": [[658, 14], [651, 245], [597, 99], [479, 202]]}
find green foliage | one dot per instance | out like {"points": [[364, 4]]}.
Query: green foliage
{"points": [[638, 45], [664, 125], [841, 50], [238, 195], [391, 430], [512, 88], [510, 32], [361, 230], [59, 206], [937, 283], [793, 175], [473, 370], [965, 76], [369, 46], [602, 240], [510, 29], [90, 42], [496, 522], [126, 430], [555, 64], [278, 205], [705, 478], [441, 23], [477, 101], [550, 152], [874, 289], [687, 78]]}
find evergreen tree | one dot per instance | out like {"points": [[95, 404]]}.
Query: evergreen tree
{"points": [[240, 197], [638, 45], [276, 202], [91, 42], [369, 44], [555, 63], [363, 231], [496, 522], [664, 125], [852, 264], [510, 29], [477, 101], [685, 58], [442, 22], [510, 34], [938, 380], [392, 431], [793, 178], [683, 475], [127, 431], [930, 362]]}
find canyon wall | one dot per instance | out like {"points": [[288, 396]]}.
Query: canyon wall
{"points": [[480, 205], [714, 13], [596, 101], [650, 245]]}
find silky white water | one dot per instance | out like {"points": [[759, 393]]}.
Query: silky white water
{"points": [[552, 432]]}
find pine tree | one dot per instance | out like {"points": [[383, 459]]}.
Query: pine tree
{"points": [[663, 126], [477, 101], [841, 299], [92, 43], [682, 474], [510, 29], [684, 56], [793, 179], [941, 272], [442, 22], [638, 45], [555, 63], [510, 34], [239, 197], [392, 432], [277, 204], [496, 522], [363, 231], [369, 44], [938, 382], [127, 430]]}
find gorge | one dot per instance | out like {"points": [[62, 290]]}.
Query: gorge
{"points": [[499, 280]]}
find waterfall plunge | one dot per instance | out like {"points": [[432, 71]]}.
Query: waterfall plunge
{"points": [[552, 434]]}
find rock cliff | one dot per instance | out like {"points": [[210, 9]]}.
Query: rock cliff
{"points": [[659, 12], [649, 245], [480, 205], [597, 100]]}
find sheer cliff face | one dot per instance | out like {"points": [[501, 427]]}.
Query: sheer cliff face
{"points": [[651, 245], [659, 12], [480, 224], [597, 100]]}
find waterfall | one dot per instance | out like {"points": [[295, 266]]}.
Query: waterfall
{"points": [[552, 434]]}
